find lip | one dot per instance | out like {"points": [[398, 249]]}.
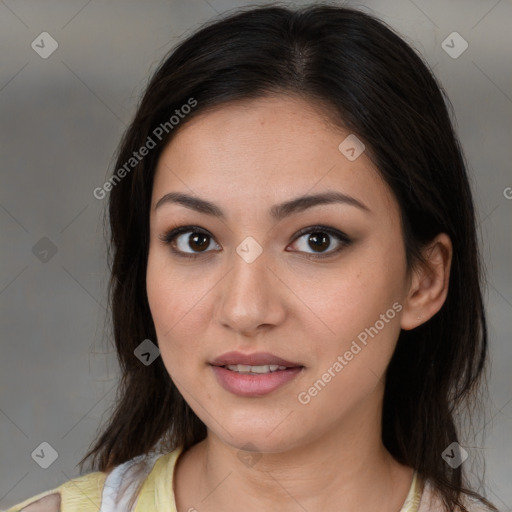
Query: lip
{"points": [[252, 385], [248, 385], [255, 359]]}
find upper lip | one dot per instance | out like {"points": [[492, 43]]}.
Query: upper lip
{"points": [[255, 359]]}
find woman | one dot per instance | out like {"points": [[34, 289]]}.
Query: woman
{"points": [[293, 227]]}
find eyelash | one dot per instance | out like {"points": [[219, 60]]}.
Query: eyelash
{"points": [[168, 237]]}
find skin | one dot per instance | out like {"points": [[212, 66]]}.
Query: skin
{"points": [[327, 454], [50, 503]]}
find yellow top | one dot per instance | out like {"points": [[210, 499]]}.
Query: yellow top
{"points": [[84, 493]]}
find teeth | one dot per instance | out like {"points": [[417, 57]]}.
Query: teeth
{"points": [[245, 368]]}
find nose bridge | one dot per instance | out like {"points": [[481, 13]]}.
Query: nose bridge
{"points": [[248, 282], [249, 297]]}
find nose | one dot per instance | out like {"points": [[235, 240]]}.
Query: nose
{"points": [[251, 298]]}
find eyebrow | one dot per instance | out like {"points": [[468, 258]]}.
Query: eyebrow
{"points": [[277, 211]]}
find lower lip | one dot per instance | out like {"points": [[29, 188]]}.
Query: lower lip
{"points": [[244, 384]]}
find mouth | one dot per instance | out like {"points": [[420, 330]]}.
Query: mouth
{"points": [[253, 375], [258, 362], [255, 370]]}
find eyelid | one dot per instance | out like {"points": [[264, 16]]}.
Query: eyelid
{"points": [[344, 240], [323, 229], [169, 236]]}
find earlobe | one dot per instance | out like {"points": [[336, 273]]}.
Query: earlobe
{"points": [[429, 285]]}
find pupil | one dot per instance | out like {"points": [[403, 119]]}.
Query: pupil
{"points": [[320, 240], [199, 245]]}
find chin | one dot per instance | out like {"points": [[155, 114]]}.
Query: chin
{"points": [[259, 440]]}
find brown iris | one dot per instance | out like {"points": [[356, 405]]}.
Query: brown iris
{"points": [[200, 241], [319, 239]]}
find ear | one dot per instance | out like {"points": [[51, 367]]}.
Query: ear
{"points": [[429, 283]]}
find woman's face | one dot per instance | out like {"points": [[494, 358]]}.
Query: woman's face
{"points": [[263, 279]]}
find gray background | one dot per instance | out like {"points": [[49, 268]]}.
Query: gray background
{"points": [[62, 118]]}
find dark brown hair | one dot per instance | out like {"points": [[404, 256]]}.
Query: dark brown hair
{"points": [[370, 82]]}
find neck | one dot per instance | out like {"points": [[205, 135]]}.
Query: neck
{"points": [[345, 469]]}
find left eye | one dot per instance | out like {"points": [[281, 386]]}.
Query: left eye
{"points": [[320, 240]]}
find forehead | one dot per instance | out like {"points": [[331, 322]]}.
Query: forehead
{"points": [[267, 149]]}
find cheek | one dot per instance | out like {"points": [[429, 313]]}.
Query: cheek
{"points": [[362, 311], [355, 296], [174, 305], [173, 293], [360, 302]]}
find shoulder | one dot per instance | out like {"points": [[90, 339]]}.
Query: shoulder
{"points": [[431, 501], [82, 493], [116, 490]]}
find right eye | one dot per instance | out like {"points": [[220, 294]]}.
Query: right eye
{"points": [[198, 239]]}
